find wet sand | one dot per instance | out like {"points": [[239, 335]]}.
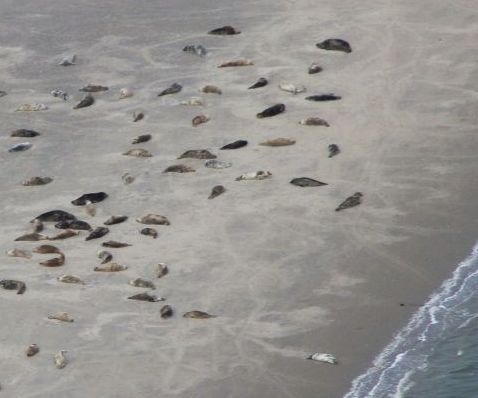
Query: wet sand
{"points": [[286, 275]]}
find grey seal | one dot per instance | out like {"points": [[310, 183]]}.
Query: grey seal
{"points": [[10, 284], [216, 191], [335, 45], [98, 232], [307, 182], [85, 102], [351, 201], [333, 150], [224, 31], [261, 82], [94, 197], [25, 133], [271, 111]]}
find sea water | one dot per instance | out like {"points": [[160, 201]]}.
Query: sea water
{"points": [[436, 354]]}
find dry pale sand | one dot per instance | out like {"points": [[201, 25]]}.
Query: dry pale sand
{"points": [[286, 275]]}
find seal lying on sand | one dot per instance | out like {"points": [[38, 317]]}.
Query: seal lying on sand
{"points": [[115, 220], [236, 62], [153, 219], [335, 45], [57, 93], [32, 350], [85, 102], [259, 83], [149, 232], [179, 168], [68, 60], [322, 357], [24, 133], [193, 101], [323, 97], [172, 89], [161, 270], [94, 197], [73, 224], [32, 237], [70, 279], [146, 297], [216, 191], [139, 282], [61, 316], [211, 90], [10, 284], [32, 108], [104, 256], [235, 145], [292, 88], [314, 121], [125, 93], [67, 233], [98, 232], [60, 359], [333, 150], [314, 68], [54, 216], [224, 31], [114, 244], [93, 88], [138, 152], [255, 175], [196, 49], [197, 154], [278, 142], [111, 267], [306, 182], [217, 164], [198, 315], [35, 181], [138, 116], [19, 253], [23, 146], [351, 201], [200, 119], [166, 311], [271, 111], [141, 138]]}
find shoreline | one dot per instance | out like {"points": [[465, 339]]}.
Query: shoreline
{"points": [[286, 274]]}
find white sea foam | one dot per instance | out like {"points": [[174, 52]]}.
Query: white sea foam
{"points": [[389, 377]]}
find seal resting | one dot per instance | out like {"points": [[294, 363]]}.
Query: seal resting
{"points": [[255, 175], [60, 359], [197, 154], [68, 60], [216, 191], [235, 145], [24, 133], [104, 256], [200, 119], [261, 82], [94, 197], [333, 150], [67, 233], [141, 138], [292, 88], [278, 142], [335, 45], [322, 357], [211, 90], [70, 279], [351, 201], [115, 220], [161, 270], [32, 350], [323, 97], [139, 282], [314, 121], [172, 89], [237, 62], [19, 253], [93, 88], [35, 181], [153, 219], [10, 284], [47, 249], [166, 311], [54, 216], [125, 93], [114, 244], [138, 152], [196, 49], [178, 168], [149, 232], [193, 101], [32, 108], [224, 31], [73, 224], [217, 164], [98, 232], [111, 267], [146, 297], [61, 316], [314, 68], [127, 178], [271, 111], [85, 102], [198, 315], [23, 146], [307, 182], [57, 93], [138, 116], [32, 237]]}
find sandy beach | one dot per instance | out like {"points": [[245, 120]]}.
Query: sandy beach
{"points": [[285, 274]]}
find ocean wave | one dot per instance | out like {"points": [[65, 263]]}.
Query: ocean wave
{"points": [[390, 375]]}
